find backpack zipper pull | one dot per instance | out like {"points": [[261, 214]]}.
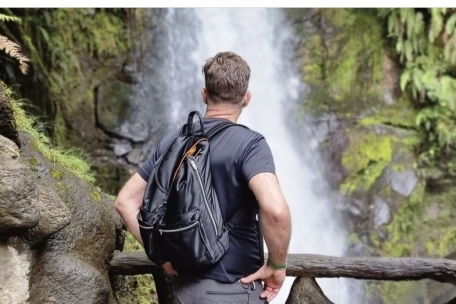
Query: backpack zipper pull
{"points": [[192, 163]]}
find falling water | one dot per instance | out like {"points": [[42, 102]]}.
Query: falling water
{"points": [[263, 38]]}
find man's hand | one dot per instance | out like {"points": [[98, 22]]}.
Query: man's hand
{"points": [[169, 270], [273, 281]]}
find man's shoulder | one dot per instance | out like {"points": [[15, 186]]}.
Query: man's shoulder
{"points": [[167, 140], [245, 132]]}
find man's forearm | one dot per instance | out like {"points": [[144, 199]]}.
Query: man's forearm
{"points": [[128, 203], [276, 230], [130, 221]]}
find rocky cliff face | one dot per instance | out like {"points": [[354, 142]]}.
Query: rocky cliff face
{"points": [[391, 209], [57, 232]]}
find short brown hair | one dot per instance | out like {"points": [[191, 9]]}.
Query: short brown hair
{"points": [[226, 77]]}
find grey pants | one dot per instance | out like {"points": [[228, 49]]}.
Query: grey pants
{"points": [[189, 290]]}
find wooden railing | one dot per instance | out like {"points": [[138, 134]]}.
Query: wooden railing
{"points": [[307, 267]]}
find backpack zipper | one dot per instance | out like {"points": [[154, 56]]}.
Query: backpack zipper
{"points": [[178, 229], [193, 165], [146, 227]]}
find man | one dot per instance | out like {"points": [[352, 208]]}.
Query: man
{"points": [[243, 175]]}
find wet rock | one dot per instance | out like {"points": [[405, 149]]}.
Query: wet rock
{"points": [[382, 212], [67, 279], [403, 182], [135, 156], [326, 125], [54, 216], [71, 263], [19, 209], [7, 121], [122, 148], [8, 148], [14, 273]]}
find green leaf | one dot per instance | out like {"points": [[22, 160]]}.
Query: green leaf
{"points": [[450, 24], [400, 46], [403, 15], [419, 23], [405, 79], [408, 49], [436, 24], [45, 34], [410, 22]]}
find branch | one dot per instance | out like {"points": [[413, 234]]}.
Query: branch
{"points": [[319, 266]]}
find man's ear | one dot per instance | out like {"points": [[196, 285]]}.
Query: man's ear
{"points": [[247, 98], [204, 95]]}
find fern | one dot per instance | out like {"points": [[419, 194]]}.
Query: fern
{"points": [[14, 50], [4, 18]]}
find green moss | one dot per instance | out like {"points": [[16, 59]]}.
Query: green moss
{"points": [[69, 159], [353, 238], [440, 229], [131, 244], [447, 241], [145, 292], [406, 225], [409, 235], [401, 114], [342, 65], [365, 159], [138, 289], [398, 167], [95, 194], [415, 231], [57, 173], [33, 162], [402, 292]]}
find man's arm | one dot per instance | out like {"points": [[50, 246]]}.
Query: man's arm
{"points": [[275, 220], [129, 201]]}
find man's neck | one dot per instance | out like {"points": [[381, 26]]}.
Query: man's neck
{"points": [[221, 111]]}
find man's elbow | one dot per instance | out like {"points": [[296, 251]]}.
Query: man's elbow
{"points": [[121, 205], [280, 215]]}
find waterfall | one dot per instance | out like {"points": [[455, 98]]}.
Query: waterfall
{"points": [[186, 38]]}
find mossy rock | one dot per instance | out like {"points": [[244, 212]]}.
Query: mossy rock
{"points": [[365, 158], [80, 252]]}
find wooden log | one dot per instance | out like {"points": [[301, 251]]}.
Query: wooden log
{"points": [[372, 268], [306, 291], [319, 266], [131, 263]]}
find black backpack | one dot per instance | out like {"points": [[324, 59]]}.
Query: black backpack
{"points": [[180, 219]]}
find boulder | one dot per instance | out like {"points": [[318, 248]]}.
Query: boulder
{"points": [[19, 209]]}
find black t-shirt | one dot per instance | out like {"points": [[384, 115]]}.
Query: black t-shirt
{"points": [[237, 154]]}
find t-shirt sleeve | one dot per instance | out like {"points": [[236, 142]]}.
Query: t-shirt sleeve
{"points": [[257, 158], [146, 169]]}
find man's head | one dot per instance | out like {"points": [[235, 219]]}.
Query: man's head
{"points": [[227, 79]]}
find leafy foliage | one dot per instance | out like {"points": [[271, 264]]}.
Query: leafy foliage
{"points": [[341, 63], [425, 40], [62, 43], [11, 48]]}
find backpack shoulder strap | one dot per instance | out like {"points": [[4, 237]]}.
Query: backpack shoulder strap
{"points": [[229, 224]]}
